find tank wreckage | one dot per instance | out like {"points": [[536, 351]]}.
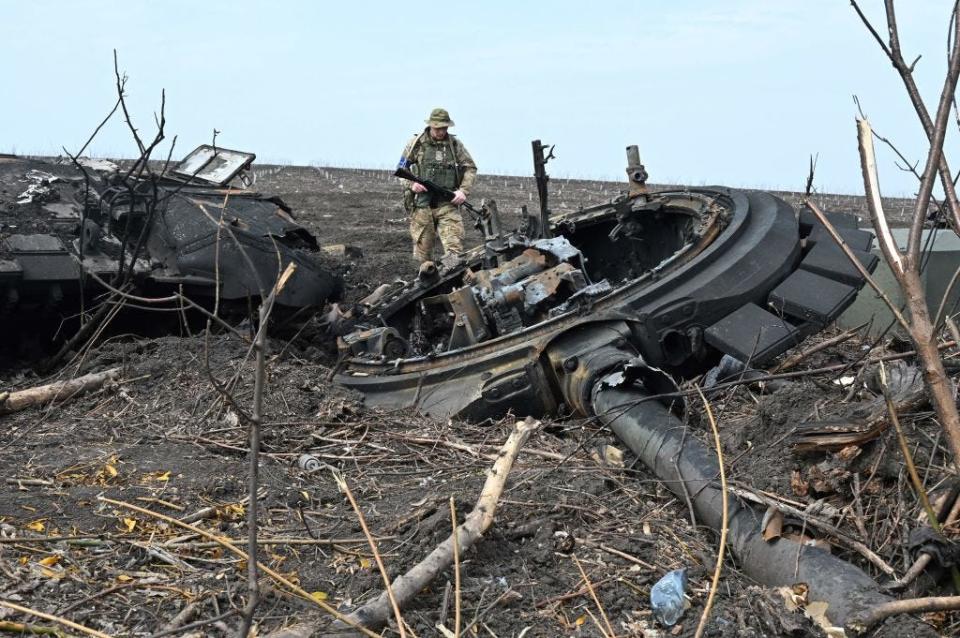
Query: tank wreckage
{"points": [[68, 228], [666, 280], [596, 313]]}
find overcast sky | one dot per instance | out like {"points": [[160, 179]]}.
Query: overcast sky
{"points": [[739, 92]]}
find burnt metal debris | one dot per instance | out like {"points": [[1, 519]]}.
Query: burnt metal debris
{"points": [[528, 321], [196, 228], [597, 312]]}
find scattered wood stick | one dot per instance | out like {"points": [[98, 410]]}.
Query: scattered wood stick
{"points": [[596, 601], [818, 523], [52, 618], [226, 544], [107, 592], [21, 629], [474, 450], [62, 390], [723, 525], [184, 616], [376, 612], [16, 540], [456, 569], [28, 482], [280, 541], [342, 484], [794, 359], [580, 592], [216, 621], [863, 621], [629, 557]]}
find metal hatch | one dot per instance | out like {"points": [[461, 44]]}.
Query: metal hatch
{"points": [[213, 165]]}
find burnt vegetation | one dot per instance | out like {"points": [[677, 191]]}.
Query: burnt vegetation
{"points": [[209, 477]]}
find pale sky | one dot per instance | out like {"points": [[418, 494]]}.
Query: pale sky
{"points": [[738, 93]]}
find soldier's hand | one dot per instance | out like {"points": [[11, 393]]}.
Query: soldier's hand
{"points": [[418, 188], [458, 197]]}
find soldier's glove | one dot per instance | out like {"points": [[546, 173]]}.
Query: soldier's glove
{"points": [[418, 188], [458, 197]]}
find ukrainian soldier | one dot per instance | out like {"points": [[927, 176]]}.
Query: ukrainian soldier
{"points": [[437, 156]]}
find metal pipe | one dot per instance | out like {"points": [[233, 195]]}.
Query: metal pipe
{"points": [[655, 435], [636, 172]]}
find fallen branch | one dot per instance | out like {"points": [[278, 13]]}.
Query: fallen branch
{"points": [[818, 523], [236, 551], [869, 618], [342, 484], [724, 522], [52, 618], [377, 612], [63, 390]]}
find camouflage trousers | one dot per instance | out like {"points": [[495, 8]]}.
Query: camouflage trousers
{"points": [[428, 223]]}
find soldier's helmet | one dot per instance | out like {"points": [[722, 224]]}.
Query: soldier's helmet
{"points": [[439, 118]]}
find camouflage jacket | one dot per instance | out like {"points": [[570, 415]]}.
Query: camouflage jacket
{"points": [[445, 162]]}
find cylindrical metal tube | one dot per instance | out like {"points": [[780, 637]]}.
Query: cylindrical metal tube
{"points": [[655, 435], [636, 172]]}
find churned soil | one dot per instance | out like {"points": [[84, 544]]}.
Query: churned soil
{"points": [[166, 440]]}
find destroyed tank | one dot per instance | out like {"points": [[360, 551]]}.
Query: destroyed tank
{"points": [[670, 279], [599, 313], [67, 227]]}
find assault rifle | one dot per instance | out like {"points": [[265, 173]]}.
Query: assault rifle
{"points": [[439, 193], [486, 219]]}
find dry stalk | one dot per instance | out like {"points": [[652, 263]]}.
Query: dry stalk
{"points": [[52, 618], [596, 601], [905, 265], [912, 468], [376, 612], [342, 484], [236, 551], [864, 621], [723, 528], [456, 569]]}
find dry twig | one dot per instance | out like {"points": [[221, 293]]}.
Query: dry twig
{"points": [[52, 618], [596, 601], [723, 525], [456, 569], [405, 587], [236, 551], [61, 390], [876, 614], [342, 484]]}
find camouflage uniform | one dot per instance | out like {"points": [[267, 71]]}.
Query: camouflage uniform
{"points": [[446, 163]]}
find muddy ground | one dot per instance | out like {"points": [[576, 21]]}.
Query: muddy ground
{"points": [[165, 439]]}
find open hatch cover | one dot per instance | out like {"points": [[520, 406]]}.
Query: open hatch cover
{"points": [[213, 165]]}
